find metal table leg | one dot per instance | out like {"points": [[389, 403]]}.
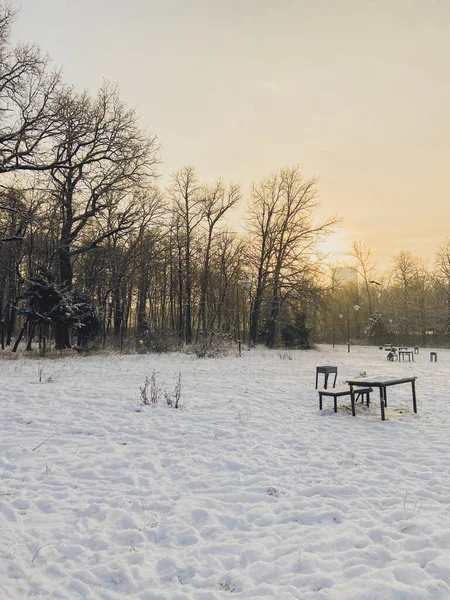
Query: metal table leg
{"points": [[382, 401], [413, 385]]}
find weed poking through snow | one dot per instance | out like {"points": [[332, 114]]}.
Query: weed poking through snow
{"points": [[152, 391], [173, 399]]}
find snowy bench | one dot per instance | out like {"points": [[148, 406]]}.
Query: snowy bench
{"points": [[336, 393]]}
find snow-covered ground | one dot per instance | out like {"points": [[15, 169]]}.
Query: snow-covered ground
{"points": [[248, 491]]}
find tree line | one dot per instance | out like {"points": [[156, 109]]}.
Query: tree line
{"points": [[93, 249], [407, 304]]}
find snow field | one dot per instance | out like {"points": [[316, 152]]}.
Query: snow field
{"points": [[248, 491]]}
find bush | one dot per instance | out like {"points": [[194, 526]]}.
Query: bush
{"points": [[296, 334], [377, 332], [153, 339], [213, 345], [47, 303], [152, 391]]}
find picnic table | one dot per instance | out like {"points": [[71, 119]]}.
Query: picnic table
{"points": [[382, 383], [405, 352]]}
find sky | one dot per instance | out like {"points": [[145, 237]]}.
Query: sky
{"points": [[355, 92]]}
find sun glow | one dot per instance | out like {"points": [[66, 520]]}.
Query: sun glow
{"points": [[336, 248]]}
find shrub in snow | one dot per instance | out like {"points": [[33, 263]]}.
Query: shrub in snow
{"points": [[212, 345], [152, 391], [153, 339], [377, 331], [295, 332], [173, 399], [47, 303]]}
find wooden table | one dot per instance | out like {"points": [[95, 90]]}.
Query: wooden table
{"points": [[382, 383], [403, 353]]}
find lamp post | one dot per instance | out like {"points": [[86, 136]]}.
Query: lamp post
{"points": [[334, 329], [238, 323], [356, 308]]}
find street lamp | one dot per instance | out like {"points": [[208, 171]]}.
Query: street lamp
{"points": [[334, 329], [356, 308], [248, 284]]}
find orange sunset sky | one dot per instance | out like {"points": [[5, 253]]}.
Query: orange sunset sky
{"points": [[357, 92]]}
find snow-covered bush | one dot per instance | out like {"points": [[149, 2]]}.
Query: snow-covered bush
{"points": [[47, 303], [212, 345], [153, 339]]}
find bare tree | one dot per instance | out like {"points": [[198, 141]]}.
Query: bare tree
{"points": [[225, 269], [365, 267], [442, 277], [217, 201], [410, 286], [265, 198], [15, 218], [283, 231], [103, 158], [121, 251], [27, 103], [189, 211]]}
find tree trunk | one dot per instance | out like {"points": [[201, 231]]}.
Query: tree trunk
{"points": [[180, 294], [117, 312], [204, 286], [30, 337], [188, 288], [254, 317], [274, 312], [19, 337], [62, 334], [11, 320], [65, 266], [142, 301]]}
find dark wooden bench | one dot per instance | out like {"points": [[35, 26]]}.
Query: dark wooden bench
{"points": [[335, 393]]}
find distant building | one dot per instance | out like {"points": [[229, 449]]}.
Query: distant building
{"points": [[345, 275]]}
